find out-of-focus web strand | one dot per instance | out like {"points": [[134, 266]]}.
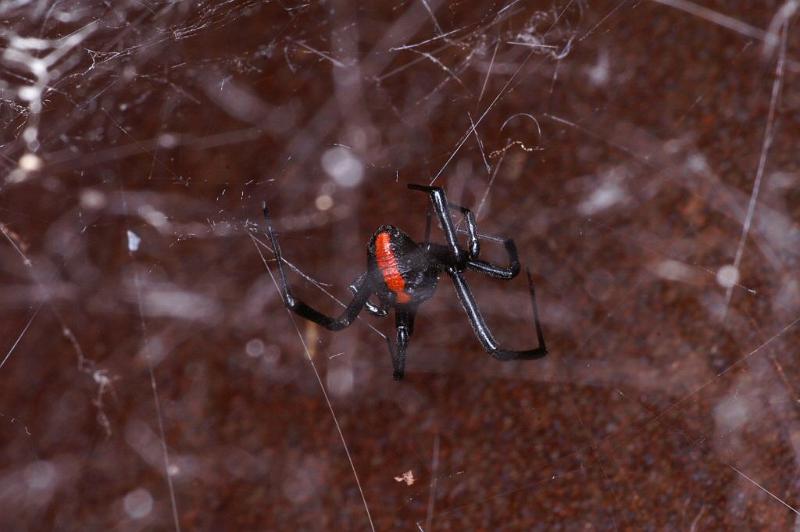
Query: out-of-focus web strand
{"points": [[322, 388]]}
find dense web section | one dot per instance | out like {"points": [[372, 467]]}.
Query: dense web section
{"points": [[642, 154]]}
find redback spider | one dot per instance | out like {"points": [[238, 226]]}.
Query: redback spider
{"points": [[404, 274]]}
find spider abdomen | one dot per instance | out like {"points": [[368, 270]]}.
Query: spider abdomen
{"points": [[406, 273], [387, 264]]}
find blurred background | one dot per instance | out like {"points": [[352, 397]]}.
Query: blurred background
{"points": [[643, 155]]}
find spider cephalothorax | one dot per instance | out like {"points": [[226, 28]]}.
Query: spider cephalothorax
{"points": [[403, 274]]}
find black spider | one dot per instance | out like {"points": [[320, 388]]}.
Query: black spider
{"points": [[403, 274]]}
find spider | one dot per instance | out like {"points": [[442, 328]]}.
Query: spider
{"points": [[403, 274]]}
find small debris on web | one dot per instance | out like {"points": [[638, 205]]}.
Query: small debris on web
{"points": [[407, 477]]}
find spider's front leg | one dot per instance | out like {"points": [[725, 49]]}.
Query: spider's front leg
{"points": [[300, 308]]}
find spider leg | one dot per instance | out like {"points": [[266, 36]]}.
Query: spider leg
{"points": [[302, 309], [539, 333], [405, 326], [375, 310], [482, 330], [441, 206], [472, 230], [499, 272]]}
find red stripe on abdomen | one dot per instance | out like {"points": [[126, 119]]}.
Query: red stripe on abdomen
{"points": [[387, 263]]}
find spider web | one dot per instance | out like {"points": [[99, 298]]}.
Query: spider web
{"points": [[642, 154]]}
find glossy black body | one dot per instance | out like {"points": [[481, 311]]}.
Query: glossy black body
{"points": [[420, 274], [420, 265]]}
